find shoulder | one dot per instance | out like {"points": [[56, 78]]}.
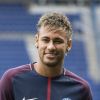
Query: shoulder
{"points": [[6, 82], [16, 70], [77, 80], [10, 73], [80, 83]]}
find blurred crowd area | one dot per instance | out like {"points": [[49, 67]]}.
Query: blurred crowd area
{"points": [[55, 2], [67, 2]]}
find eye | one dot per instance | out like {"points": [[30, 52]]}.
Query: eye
{"points": [[46, 40], [58, 41]]}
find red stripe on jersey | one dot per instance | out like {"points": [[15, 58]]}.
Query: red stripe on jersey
{"points": [[49, 89]]}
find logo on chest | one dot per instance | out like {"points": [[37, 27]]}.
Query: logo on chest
{"points": [[30, 99], [66, 99]]}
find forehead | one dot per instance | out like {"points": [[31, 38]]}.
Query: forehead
{"points": [[44, 31]]}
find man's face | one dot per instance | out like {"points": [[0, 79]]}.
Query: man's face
{"points": [[52, 46]]}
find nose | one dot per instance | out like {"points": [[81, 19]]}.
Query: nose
{"points": [[51, 45]]}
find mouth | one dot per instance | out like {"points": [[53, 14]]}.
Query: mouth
{"points": [[51, 55]]}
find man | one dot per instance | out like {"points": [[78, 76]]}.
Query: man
{"points": [[47, 79]]}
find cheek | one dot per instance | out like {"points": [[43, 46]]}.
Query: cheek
{"points": [[64, 48], [41, 48], [40, 45]]}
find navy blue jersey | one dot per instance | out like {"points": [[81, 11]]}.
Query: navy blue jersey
{"points": [[24, 83]]}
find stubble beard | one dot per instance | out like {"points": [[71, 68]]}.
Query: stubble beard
{"points": [[52, 64]]}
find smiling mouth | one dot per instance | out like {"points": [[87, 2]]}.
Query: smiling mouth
{"points": [[51, 55]]}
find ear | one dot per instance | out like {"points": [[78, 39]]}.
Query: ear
{"points": [[69, 45], [36, 40]]}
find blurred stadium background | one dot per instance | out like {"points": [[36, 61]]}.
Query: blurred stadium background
{"points": [[18, 20]]}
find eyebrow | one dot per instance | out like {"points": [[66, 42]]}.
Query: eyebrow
{"points": [[45, 37]]}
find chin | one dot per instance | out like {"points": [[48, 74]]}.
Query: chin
{"points": [[51, 64]]}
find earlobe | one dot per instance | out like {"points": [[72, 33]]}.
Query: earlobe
{"points": [[36, 41], [36, 45], [69, 45], [69, 49]]}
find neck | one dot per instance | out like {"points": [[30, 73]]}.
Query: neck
{"points": [[48, 71]]}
